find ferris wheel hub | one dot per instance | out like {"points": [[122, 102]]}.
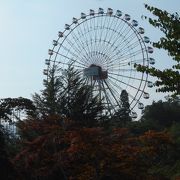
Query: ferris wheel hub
{"points": [[95, 72]]}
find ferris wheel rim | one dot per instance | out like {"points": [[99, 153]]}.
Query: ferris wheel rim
{"points": [[97, 15]]}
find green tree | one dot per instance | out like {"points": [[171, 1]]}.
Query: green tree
{"points": [[169, 24], [69, 96], [7, 171], [8, 107], [48, 102], [122, 117], [160, 115]]}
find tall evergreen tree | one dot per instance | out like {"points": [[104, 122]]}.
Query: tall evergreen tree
{"points": [[69, 96], [122, 116], [48, 101], [125, 106]]}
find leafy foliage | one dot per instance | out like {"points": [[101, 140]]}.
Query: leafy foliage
{"points": [[121, 118], [68, 95], [161, 115], [9, 105], [169, 24], [7, 171], [62, 150]]}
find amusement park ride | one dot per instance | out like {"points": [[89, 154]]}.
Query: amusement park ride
{"points": [[104, 47]]}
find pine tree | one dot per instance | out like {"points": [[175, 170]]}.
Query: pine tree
{"points": [[69, 96], [48, 101], [122, 117]]}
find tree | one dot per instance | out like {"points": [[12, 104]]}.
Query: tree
{"points": [[169, 24], [125, 106], [160, 115], [7, 171], [48, 102], [69, 96], [122, 117], [8, 107], [64, 151]]}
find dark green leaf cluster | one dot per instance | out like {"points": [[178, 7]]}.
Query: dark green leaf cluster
{"points": [[169, 24], [122, 117], [168, 80], [9, 105], [67, 94]]}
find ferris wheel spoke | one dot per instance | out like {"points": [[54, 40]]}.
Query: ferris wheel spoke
{"points": [[91, 34], [83, 35], [109, 30], [127, 62], [127, 56], [106, 28], [106, 49], [80, 44], [110, 90], [115, 29], [127, 46], [127, 50], [98, 35], [121, 70], [133, 97], [138, 61], [74, 47], [127, 36], [113, 88], [102, 25], [95, 33], [99, 89], [120, 42], [82, 51], [71, 59], [106, 52], [107, 99], [125, 83], [67, 63], [135, 53], [86, 39], [122, 51], [80, 56], [69, 51], [88, 53], [129, 77], [121, 34]]}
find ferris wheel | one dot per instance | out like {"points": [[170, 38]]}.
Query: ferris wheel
{"points": [[104, 47]]}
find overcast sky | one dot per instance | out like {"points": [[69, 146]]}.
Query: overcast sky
{"points": [[27, 28]]}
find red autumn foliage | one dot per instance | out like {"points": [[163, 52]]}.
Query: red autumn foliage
{"points": [[60, 149]]}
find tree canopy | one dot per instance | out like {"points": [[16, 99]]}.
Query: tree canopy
{"points": [[66, 94], [168, 80]]}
